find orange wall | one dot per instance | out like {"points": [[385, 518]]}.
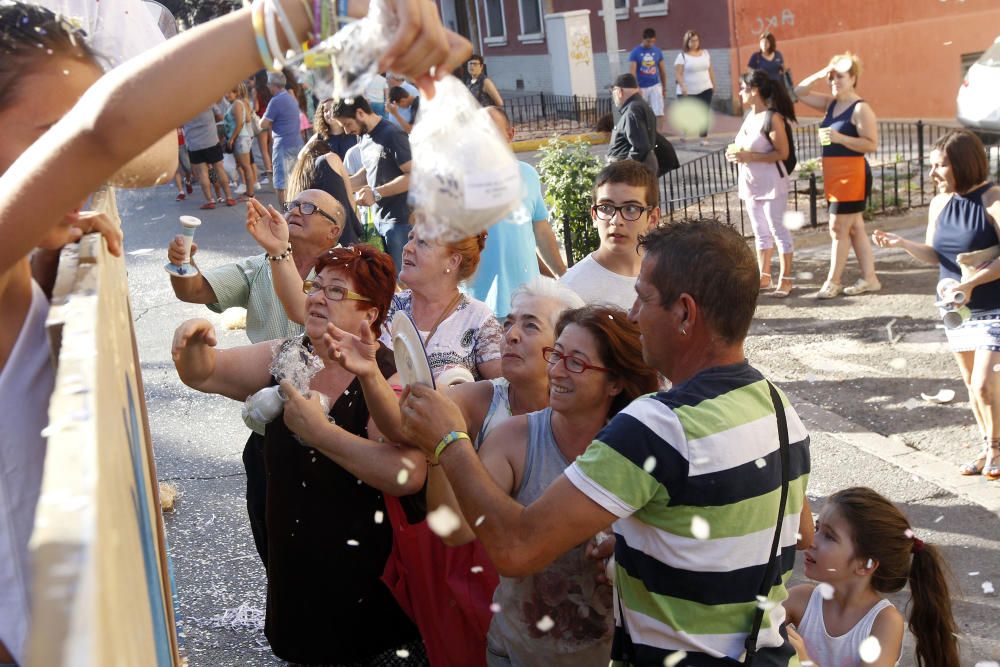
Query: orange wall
{"points": [[911, 50]]}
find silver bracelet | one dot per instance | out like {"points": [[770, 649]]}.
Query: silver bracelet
{"points": [[278, 258]]}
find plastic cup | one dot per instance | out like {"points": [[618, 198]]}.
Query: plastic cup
{"points": [[733, 148], [824, 136], [189, 223]]}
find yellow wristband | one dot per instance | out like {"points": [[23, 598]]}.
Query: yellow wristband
{"points": [[447, 440]]}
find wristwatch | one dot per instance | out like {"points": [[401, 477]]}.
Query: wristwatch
{"points": [[377, 195]]}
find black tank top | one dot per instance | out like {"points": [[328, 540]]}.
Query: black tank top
{"points": [[963, 226]]}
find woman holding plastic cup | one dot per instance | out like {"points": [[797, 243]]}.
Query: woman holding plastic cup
{"points": [[963, 228], [848, 131], [760, 147]]}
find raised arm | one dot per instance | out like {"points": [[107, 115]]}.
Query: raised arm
{"points": [[235, 373], [819, 101], [270, 229]]}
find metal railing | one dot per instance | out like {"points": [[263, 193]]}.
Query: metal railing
{"points": [[707, 186], [545, 114]]}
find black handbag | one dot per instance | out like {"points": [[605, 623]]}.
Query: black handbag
{"points": [[773, 562]]}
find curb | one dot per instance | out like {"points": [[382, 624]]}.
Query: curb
{"points": [[933, 469], [530, 145]]}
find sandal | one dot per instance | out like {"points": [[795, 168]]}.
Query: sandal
{"points": [[974, 467], [207, 205], [991, 470], [180, 197], [829, 290], [230, 202], [785, 287], [765, 280]]}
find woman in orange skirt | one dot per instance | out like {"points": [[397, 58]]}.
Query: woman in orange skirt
{"points": [[848, 131]]}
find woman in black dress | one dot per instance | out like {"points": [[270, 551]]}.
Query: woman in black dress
{"points": [[327, 540]]}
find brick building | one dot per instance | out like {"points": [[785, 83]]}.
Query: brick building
{"points": [[914, 51]]}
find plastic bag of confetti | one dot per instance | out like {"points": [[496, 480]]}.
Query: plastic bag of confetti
{"points": [[465, 176]]}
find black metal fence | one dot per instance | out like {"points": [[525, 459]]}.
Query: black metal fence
{"points": [[544, 114], [707, 186]]}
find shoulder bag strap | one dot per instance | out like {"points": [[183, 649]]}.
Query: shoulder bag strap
{"points": [[775, 559]]}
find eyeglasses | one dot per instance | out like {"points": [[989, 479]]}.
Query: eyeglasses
{"points": [[630, 212], [572, 364], [332, 292], [308, 208]]}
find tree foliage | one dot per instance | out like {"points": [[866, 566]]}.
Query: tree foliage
{"points": [[567, 169]]}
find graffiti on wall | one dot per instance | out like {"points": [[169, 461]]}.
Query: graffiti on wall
{"points": [[580, 48], [763, 24]]}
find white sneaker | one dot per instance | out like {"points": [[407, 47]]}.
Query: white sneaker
{"points": [[861, 287], [263, 181], [240, 189]]}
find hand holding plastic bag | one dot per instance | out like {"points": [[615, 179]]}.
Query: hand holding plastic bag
{"points": [[464, 176]]}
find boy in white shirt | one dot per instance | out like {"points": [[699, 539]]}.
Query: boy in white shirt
{"points": [[626, 205]]}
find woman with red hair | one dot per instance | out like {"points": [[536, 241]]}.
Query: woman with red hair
{"points": [[327, 469]]}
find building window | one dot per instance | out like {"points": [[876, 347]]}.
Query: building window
{"points": [[621, 10], [651, 7], [496, 29], [531, 21]]}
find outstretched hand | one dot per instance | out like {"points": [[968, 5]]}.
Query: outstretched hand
{"points": [[191, 333], [887, 239], [268, 227], [355, 352], [421, 43]]}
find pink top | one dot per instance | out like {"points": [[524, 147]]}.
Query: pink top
{"points": [[759, 180]]}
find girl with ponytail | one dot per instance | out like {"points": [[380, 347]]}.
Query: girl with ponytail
{"points": [[864, 548]]}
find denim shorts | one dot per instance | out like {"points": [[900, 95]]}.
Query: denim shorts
{"points": [[242, 145], [282, 163]]}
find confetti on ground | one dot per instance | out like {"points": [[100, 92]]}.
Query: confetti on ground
{"points": [[244, 617], [700, 528], [911, 404], [159, 217], [234, 319], [674, 659], [545, 624], [805, 275], [443, 521], [892, 339], [168, 496], [825, 591], [988, 588], [870, 649], [897, 363], [650, 464], [141, 251], [974, 574], [938, 520]]}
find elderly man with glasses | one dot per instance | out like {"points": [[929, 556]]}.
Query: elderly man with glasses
{"points": [[313, 224]]}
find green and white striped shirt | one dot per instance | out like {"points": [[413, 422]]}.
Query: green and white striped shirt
{"points": [[694, 475], [248, 284]]}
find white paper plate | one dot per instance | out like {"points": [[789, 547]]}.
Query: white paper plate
{"points": [[943, 396], [411, 358]]}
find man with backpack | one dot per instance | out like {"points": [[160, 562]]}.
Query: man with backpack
{"points": [[634, 135]]}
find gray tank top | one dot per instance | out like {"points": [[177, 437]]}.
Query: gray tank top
{"points": [[565, 591], [499, 410]]}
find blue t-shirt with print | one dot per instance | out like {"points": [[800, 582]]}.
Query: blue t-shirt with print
{"points": [[647, 69]]}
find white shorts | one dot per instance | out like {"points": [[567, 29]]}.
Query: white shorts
{"points": [[654, 98]]}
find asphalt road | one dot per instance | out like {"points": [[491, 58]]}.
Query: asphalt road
{"points": [[198, 440]]}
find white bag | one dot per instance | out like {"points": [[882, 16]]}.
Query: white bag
{"points": [[465, 176]]}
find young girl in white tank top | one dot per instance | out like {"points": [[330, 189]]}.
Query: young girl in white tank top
{"points": [[864, 548]]}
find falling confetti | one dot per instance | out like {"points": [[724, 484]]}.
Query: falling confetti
{"points": [[443, 521], [402, 653], [908, 533], [379, 516], [141, 251], [410, 465], [870, 649], [352, 543], [402, 476], [699, 528], [805, 275], [495, 608], [480, 520], [545, 624], [674, 659], [996, 368], [765, 604], [794, 220], [870, 564], [825, 591], [476, 569], [650, 464], [760, 463], [974, 574], [911, 404]]}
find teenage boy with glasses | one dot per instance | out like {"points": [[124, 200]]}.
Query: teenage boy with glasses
{"points": [[626, 205]]}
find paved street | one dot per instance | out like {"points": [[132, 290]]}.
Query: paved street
{"points": [[833, 358]]}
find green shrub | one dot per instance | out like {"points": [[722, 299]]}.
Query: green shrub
{"points": [[567, 169]]}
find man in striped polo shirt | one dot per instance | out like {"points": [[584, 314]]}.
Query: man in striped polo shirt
{"points": [[690, 478]]}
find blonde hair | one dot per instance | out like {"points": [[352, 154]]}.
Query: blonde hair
{"points": [[855, 70]]}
